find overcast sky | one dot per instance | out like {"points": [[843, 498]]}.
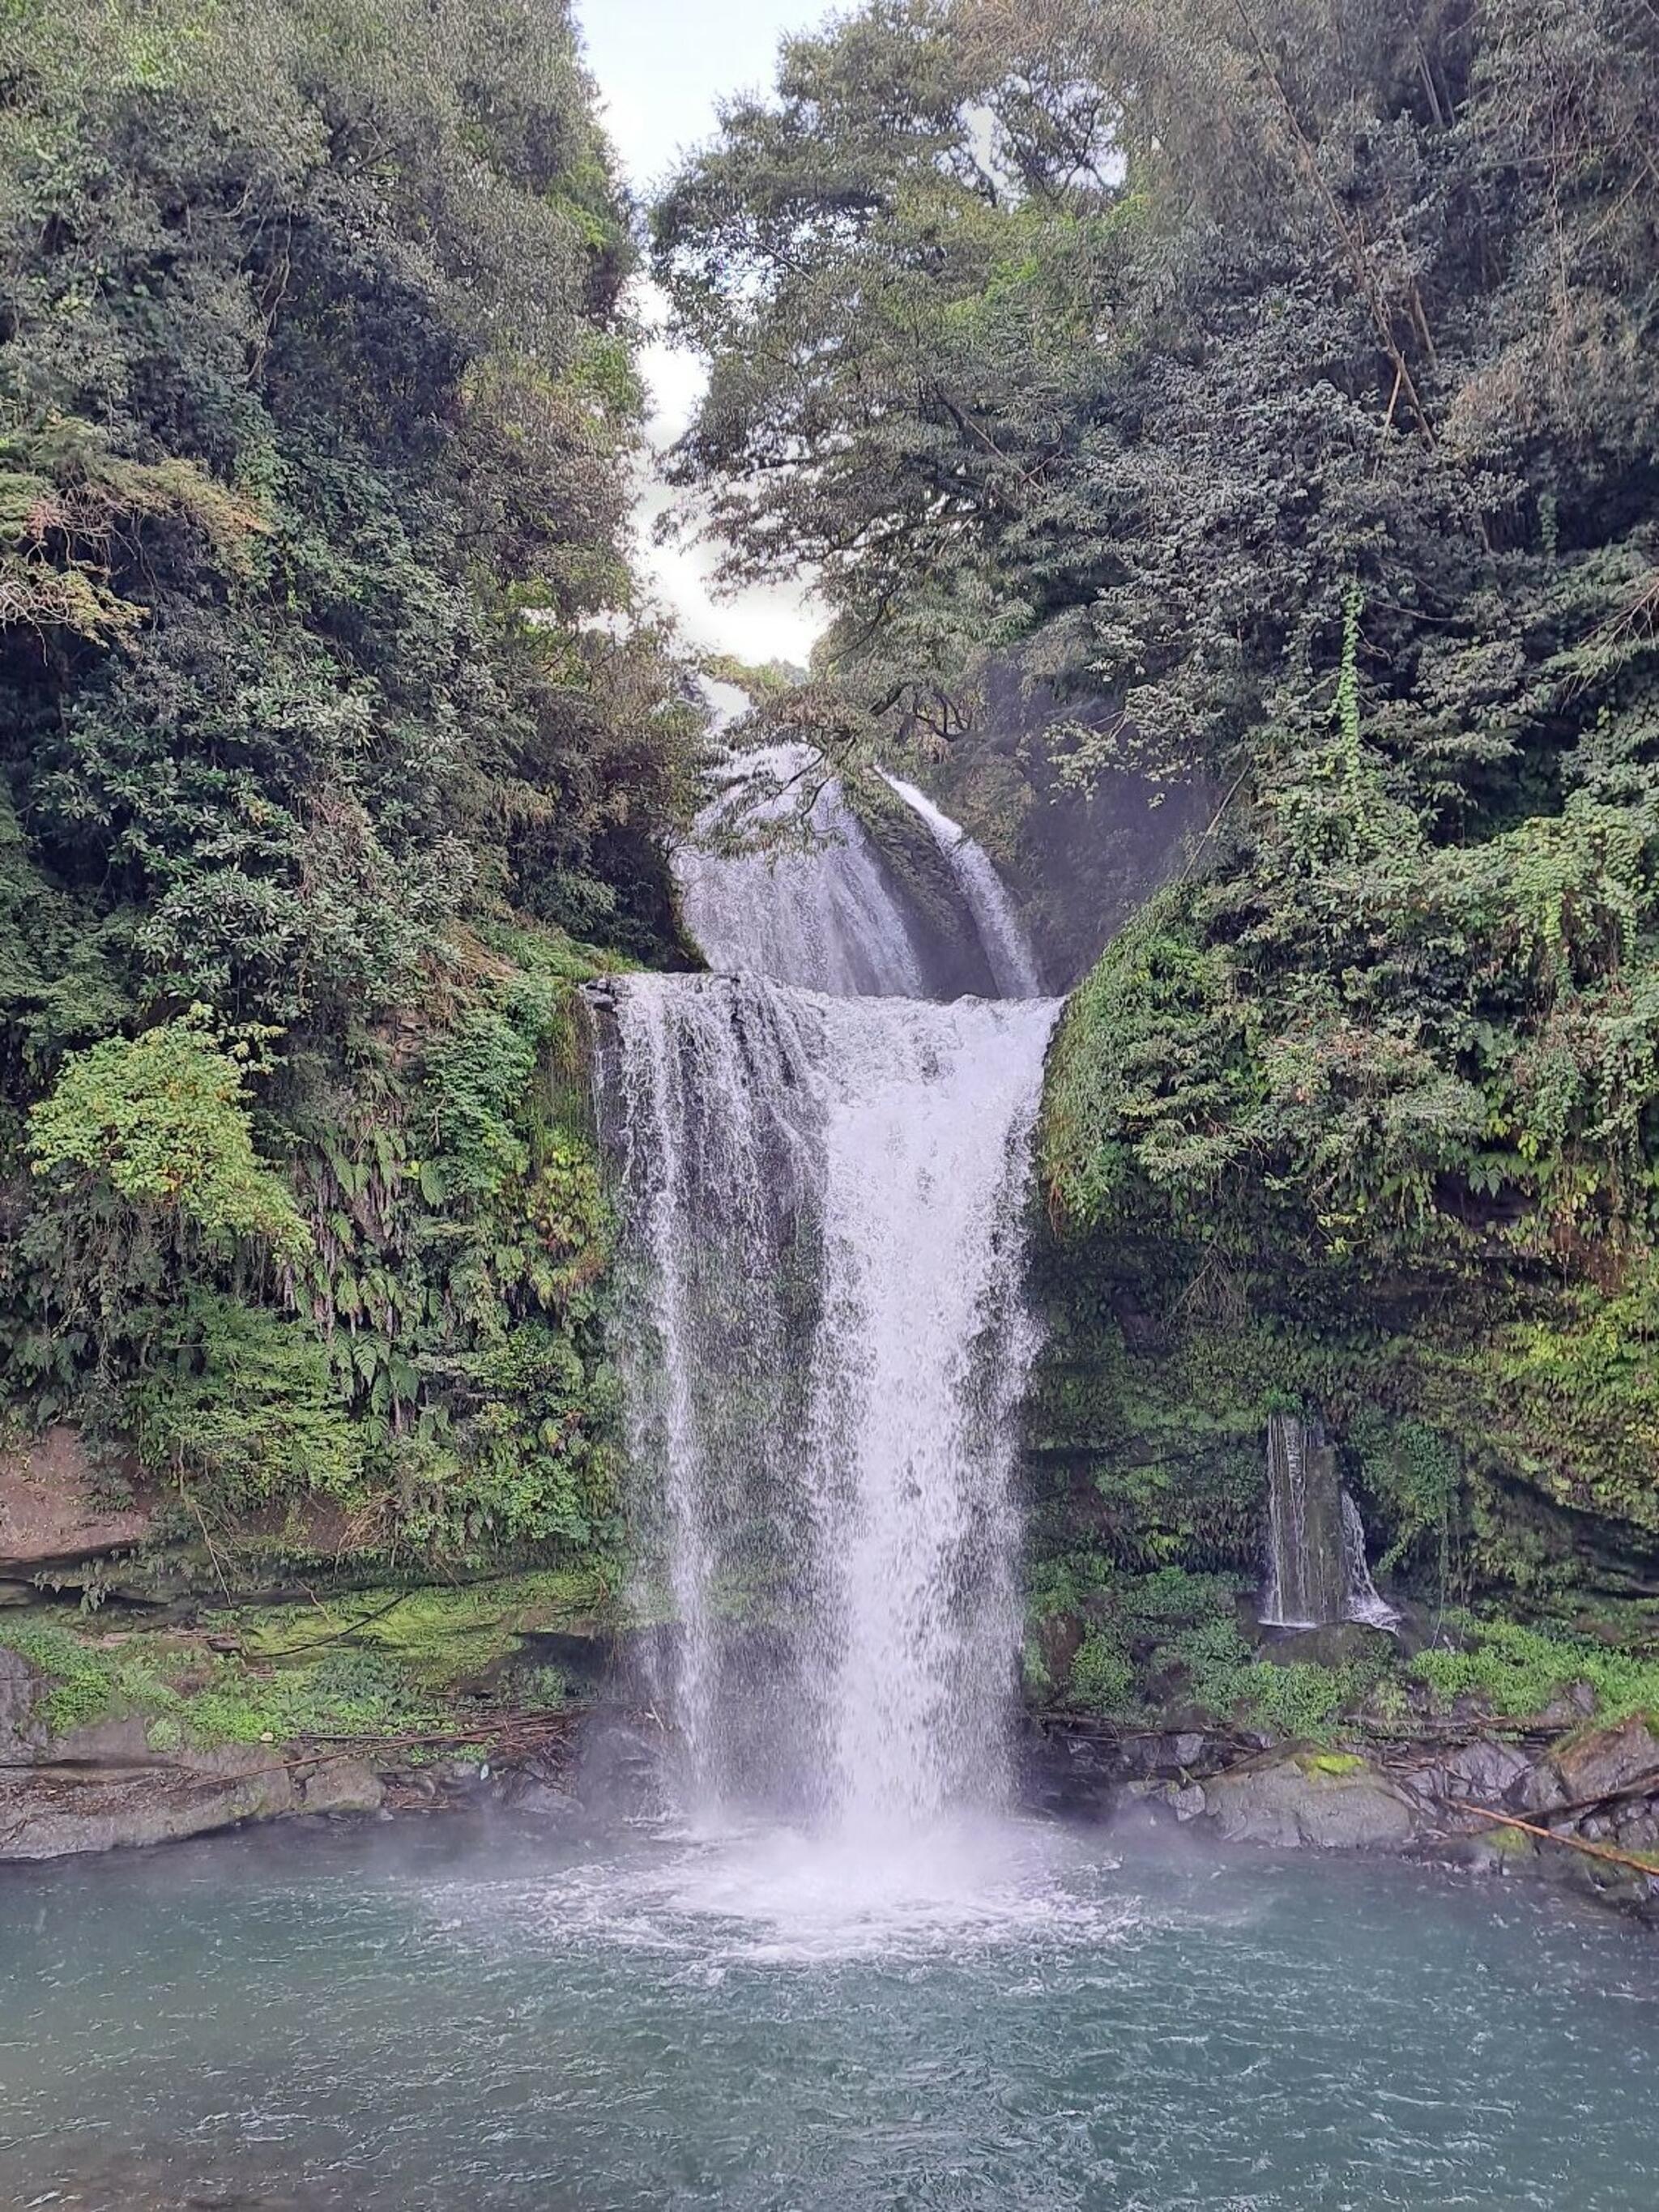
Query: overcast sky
{"points": [[661, 66]]}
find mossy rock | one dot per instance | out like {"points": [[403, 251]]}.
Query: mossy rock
{"points": [[1329, 1765]]}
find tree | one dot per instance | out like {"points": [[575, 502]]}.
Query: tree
{"points": [[326, 708], [1261, 386]]}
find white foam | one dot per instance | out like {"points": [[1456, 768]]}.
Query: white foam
{"points": [[778, 1896]]}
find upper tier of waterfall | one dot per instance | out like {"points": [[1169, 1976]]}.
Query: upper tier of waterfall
{"points": [[1001, 932], [816, 911], [780, 878]]}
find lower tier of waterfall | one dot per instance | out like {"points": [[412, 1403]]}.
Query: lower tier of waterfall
{"points": [[825, 1346]]}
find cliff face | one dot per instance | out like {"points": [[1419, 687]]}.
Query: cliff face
{"points": [[1080, 829], [1276, 463], [1493, 1425]]}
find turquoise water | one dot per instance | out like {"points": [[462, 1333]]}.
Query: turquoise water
{"points": [[461, 2016]]}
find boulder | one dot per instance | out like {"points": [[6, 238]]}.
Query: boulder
{"points": [[1317, 1802], [107, 1784], [340, 1785], [1602, 1762], [1637, 1826], [1479, 1773], [58, 1809]]}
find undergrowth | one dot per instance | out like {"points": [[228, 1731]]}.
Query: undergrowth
{"points": [[1518, 1672], [365, 1665]]}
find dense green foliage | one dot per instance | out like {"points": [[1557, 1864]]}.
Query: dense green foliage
{"points": [[1170, 1648], [1272, 382], [329, 744]]}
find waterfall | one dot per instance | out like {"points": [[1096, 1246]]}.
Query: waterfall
{"points": [[1317, 1571], [815, 909], [1365, 1601], [1306, 1585], [1006, 946], [823, 1178], [823, 1363]]}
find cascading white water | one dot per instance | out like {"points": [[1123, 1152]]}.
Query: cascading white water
{"points": [[817, 913], [826, 1200], [823, 1191], [1365, 1602], [1306, 1585], [1318, 1570], [1006, 945]]}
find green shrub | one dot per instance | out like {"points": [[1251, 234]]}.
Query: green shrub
{"points": [[1301, 1700], [1102, 1676], [81, 1683], [1517, 1671], [162, 1119], [244, 1401]]}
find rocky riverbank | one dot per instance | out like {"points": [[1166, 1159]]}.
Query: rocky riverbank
{"points": [[156, 1709], [1578, 1807], [125, 1780], [1581, 1809]]}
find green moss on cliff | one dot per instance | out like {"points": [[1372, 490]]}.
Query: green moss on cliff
{"points": [[1307, 1145], [368, 1664]]}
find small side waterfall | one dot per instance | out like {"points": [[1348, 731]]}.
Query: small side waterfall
{"points": [[822, 1176], [1317, 1571], [1001, 932], [1365, 1602]]}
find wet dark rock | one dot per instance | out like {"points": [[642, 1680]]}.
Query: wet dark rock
{"points": [[1479, 1773], [618, 1769], [539, 1797], [1602, 1762], [21, 1734], [1573, 1706], [1338, 1643], [1059, 1638], [1078, 1771]]}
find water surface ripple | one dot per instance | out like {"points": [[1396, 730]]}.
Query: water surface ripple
{"points": [[470, 2017]]}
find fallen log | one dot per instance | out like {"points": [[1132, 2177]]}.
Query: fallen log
{"points": [[1649, 1867]]}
